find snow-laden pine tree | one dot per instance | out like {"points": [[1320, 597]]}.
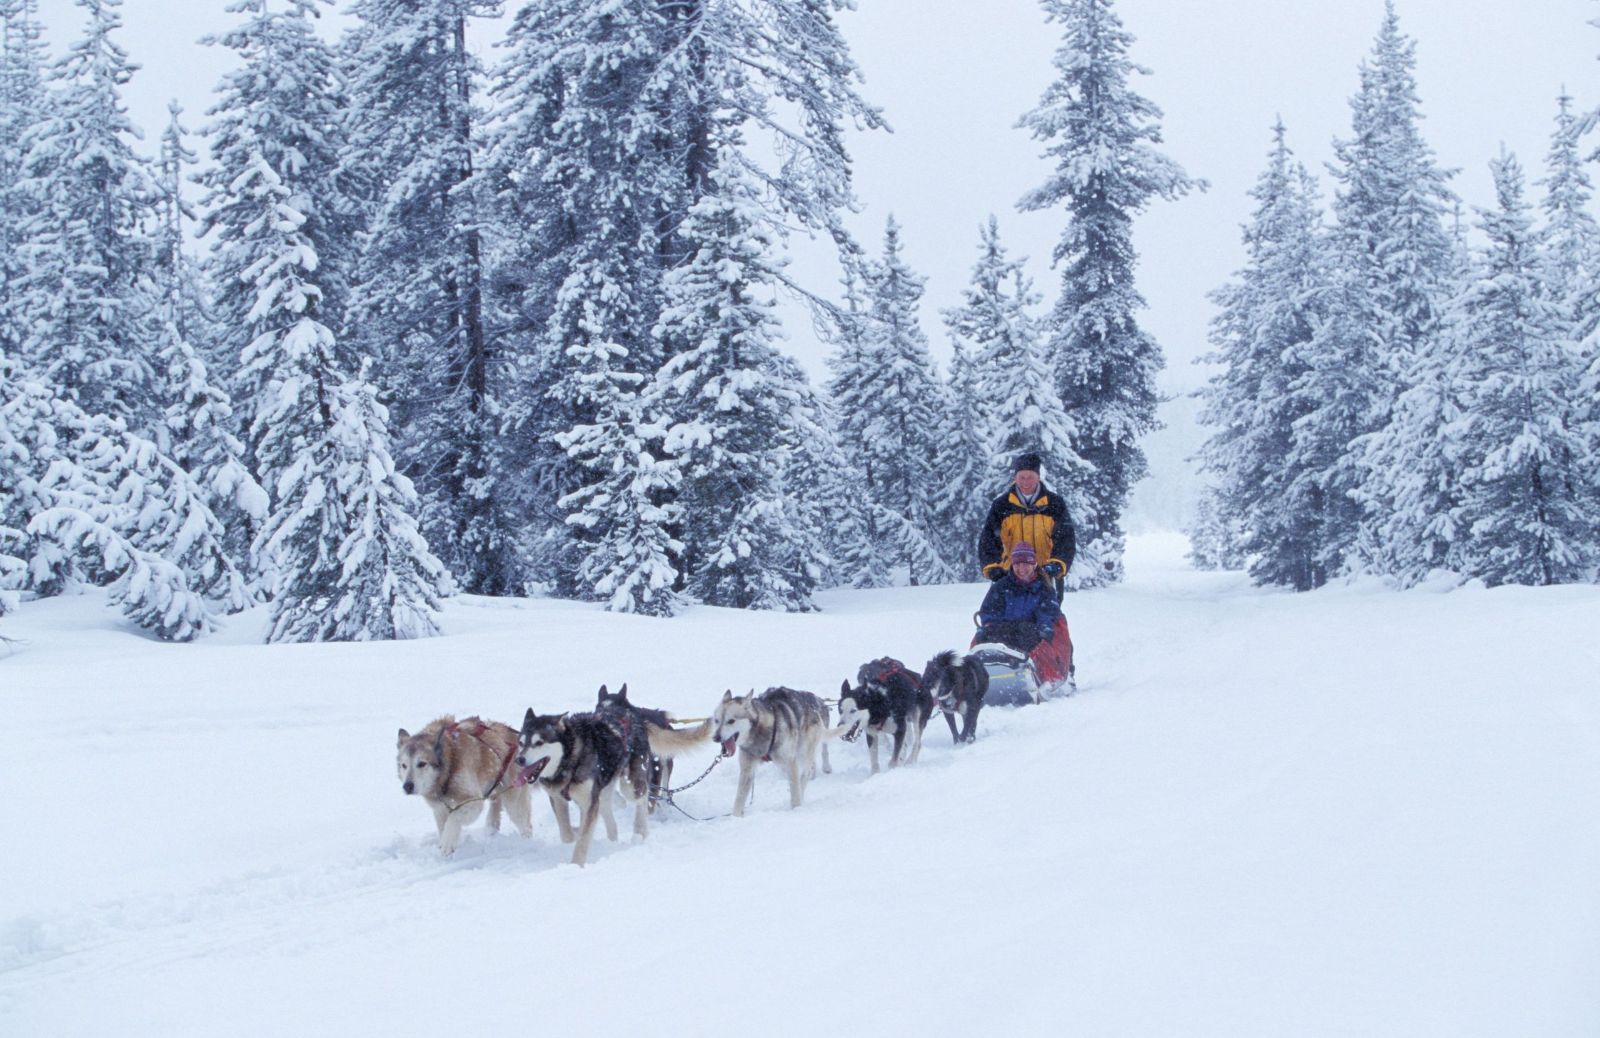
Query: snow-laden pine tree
{"points": [[83, 500], [282, 104], [605, 138], [24, 101], [1014, 382], [198, 430], [339, 546], [87, 294], [419, 301], [1261, 337], [625, 515], [963, 461], [1570, 237], [1392, 263], [848, 401], [888, 397], [1103, 136], [583, 105], [1214, 538], [1528, 503], [726, 402]]}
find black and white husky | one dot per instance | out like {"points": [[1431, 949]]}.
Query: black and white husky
{"points": [[887, 701], [957, 684], [781, 724], [665, 742], [582, 758]]}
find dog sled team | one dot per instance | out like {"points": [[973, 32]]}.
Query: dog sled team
{"points": [[1022, 650]]}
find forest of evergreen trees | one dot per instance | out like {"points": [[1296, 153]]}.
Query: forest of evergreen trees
{"points": [[1404, 390], [397, 323], [429, 326]]}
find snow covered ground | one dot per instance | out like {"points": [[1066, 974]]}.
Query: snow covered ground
{"points": [[1352, 812]]}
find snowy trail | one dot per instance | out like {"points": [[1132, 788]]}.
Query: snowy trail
{"points": [[1346, 812]]}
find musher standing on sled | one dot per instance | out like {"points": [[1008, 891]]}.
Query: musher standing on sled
{"points": [[1028, 511], [1030, 515]]}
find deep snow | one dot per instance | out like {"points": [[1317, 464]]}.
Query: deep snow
{"points": [[1351, 812]]}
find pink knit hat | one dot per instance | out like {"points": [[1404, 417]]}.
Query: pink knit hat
{"points": [[1023, 552]]}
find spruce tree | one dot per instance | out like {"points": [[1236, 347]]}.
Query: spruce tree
{"points": [[1392, 262], [1527, 506], [282, 106], [24, 102], [726, 402], [1102, 135], [1013, 377], [1267, 317], [419, 303], [849, 403], [87, 294], [890, 393], [198, 429], [339, 545]]}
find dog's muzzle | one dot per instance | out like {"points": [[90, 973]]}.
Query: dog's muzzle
{"points": [[410, 787], [531, 772], [728, 746], [853, 733]]}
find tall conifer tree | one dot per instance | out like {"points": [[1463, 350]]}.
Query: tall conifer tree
{"points": [[1102, 136]]}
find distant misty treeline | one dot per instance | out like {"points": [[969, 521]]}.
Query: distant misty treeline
{"points": [[1398, 394], [512, 327]]}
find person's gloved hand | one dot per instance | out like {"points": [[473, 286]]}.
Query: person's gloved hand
{"points": [[1045, 631], [994, 571], [1053, 568]]}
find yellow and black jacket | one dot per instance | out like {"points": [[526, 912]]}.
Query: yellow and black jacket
{"points": [[1044, 524]]}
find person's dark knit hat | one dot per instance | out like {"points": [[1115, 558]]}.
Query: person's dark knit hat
{"points": [[1028, 461], [1023, 552]]}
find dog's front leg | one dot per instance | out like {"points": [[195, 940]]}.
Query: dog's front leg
{"points": [[519, 805], [747, 778], [915, 737], [969, 731], [558, 804], [950, 719], [588, 800], [797, 780], [494, 814], [899, 744], [604, 798], [872, 751], [450, 833]]}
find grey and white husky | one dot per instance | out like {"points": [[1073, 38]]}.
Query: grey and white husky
{"points": [[781, 724], [457, 767]]}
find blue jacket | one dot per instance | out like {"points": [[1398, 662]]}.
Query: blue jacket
{"points": [[1009, 600]]}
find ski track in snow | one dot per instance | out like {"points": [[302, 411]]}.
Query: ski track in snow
{"points": [[1347, 812]]}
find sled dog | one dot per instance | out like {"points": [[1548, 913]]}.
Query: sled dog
{"points": [[957, 684], [887, 701], [457, 767], [582, 758], [781, 724], [665, 741]]}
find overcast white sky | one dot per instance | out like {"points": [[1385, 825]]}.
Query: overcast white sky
{"points": [[954, 75]]}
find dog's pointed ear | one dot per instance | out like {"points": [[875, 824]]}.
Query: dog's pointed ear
{"points": [[527, 718], [727, 695], [622, 693], [844, 687], [404, 735]]}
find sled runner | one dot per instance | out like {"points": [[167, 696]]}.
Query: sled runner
{"points": [[1017, 677], [1013, 679]]}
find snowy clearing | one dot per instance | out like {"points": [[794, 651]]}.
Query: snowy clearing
{"points": [[1346, 812]]}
